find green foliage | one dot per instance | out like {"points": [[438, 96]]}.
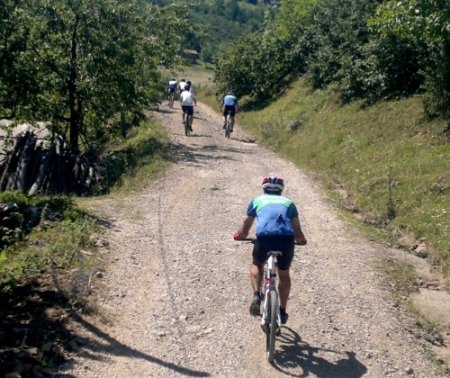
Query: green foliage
{"points": [[255, 66], [39, 233], [427, 21], [224, 21], [131, 163], [53, 245], [74, 64], [16, 197], [369, 49], [391, 163], [340, 34]]}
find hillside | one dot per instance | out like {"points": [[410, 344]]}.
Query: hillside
{"points": [[224, 21], [386, 163], [176, 289]]}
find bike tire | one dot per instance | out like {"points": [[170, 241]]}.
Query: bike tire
{"points": [[271, 324], [227, 126]]}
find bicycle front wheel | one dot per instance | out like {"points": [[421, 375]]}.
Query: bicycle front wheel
{"points": [[271, 324]]}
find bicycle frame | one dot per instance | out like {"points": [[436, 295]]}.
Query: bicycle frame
{"points": [[271, 317], [270, 284], [227, 125]]}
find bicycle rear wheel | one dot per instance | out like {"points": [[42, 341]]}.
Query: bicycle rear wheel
{"points": [[187, 129], [271, 324], [228, 126]]}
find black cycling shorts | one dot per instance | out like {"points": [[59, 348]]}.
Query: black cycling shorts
{"points": [[282, 243], [229, 109], [189, 110]]}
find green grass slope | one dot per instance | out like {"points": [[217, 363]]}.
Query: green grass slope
{"points": [[389, 164]]}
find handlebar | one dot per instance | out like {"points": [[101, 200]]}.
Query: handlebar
{"points": [[252, 240]]}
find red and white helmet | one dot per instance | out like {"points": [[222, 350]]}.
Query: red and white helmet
{"points": [[273, 184]]}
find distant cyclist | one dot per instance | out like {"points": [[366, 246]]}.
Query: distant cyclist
{"points": [[172, 87], [192, 90], [229, 105], [181, 85], [188, 101], [278, 228]]}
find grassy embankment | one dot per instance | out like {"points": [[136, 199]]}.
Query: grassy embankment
{"points": [[63, 237], [385, 163], [51, 256]]}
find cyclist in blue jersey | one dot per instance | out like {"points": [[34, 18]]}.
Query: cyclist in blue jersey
{"points": [[229, 105], [278, 228]]}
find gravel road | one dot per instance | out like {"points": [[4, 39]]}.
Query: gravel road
{"points": [[177, 290]]}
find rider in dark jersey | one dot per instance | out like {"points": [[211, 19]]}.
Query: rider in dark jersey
{"points": [[278, 228]]}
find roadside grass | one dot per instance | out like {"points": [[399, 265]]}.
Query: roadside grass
{"points": [[391, 163], [54, 243], [201, 75], [432, 333], [52, 255], [55, 232], [132, 163], [402, 278], [202, 78]]}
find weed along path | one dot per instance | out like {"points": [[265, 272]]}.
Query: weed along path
{"points": [[176, 290]]}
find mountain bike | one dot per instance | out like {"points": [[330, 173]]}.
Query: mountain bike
{"points": [[188, 124], [270, 317], [171, 99], [228, 125]]}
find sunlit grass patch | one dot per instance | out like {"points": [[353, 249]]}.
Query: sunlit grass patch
{"points": [[391, 161]]}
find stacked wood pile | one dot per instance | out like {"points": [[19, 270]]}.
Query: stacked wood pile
{"points": [[46, 167]]}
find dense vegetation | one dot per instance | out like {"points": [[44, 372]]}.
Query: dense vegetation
{"points": [[221, 21], [224, 21], [369, 49], [387, 163], [51, 257], [76, 64], [370, 112]]}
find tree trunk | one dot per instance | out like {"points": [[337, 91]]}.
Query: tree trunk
{"points": [[24, 166], [42, 176], [60, 171], [72, 87], [123, 125], [11, 163]]}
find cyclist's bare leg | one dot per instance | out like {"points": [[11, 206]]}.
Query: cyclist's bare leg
{"points": [[256, 274], [284, 286]]}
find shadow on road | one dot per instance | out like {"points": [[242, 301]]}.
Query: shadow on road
{"points": [[198, 154], [293, 353], [37, 336], [108, 346]]}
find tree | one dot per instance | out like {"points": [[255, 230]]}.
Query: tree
{"points": [[426, 21], [76, 63]]}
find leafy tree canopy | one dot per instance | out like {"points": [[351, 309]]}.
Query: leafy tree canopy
{"points": [[76, 63]]}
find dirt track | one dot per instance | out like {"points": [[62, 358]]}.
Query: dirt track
{"points": [[177, 288]]}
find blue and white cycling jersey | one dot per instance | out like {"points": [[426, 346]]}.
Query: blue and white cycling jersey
{"points": [[230, 100], [273, 214]]}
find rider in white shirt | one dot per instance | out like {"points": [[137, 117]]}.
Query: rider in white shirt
{"points": [[188, 101], [181, 86]]}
